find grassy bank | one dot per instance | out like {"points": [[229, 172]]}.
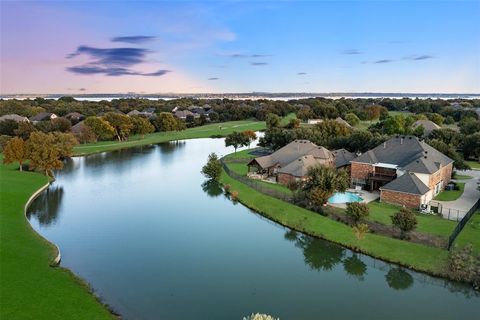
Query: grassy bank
{"points": [[30, 288], [214, 129], [415, 256], [470, 233]]}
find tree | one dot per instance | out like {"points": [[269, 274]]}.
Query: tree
{"points": [[357, 211], [213, 169], [84, 134], [101, 128], [305, 113], [419, 131], [122, 124], [65, 143], [43, 153], [8, 127], [322, 182], [141, 126], [471, 146], [360, 230], [469, 126], [61, 124], [166, 122], [236, 139], [293, 123], [24, 130], [272, 120], [250, 135], [405, 220], [213, 116], [14, 151], [352, 119]]}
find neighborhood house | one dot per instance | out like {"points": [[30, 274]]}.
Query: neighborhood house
{"points": [[407, 171], [291, 162]]}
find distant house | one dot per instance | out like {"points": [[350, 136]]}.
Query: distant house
{"points": [[291, 162], [150, 110], [405, 170], [183, 114], [343, 158], [78, 128], [43, 116], [338, 120], [75, 117], [14, 117], [428, 126], [137, 113], [174, 109]]}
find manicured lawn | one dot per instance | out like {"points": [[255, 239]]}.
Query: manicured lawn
{"points": [[451, 195], [470, 233], [417, 256], [30, 288], [462, 177], [475, 165], [381, 212], [214, 129]]}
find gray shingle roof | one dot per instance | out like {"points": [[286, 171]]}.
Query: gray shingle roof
{"points": [[343, 157], [14, 117], [42, 116], [407, 183], [407, 152]]}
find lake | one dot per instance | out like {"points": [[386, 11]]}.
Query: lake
{"points": [[155, 242]]}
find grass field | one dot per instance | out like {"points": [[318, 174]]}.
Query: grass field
{"points": [[471, 233], [451, 195], [30, 288], [475, 165], [215, 129], [462, 177]]}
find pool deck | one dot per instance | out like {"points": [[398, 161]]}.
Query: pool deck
{"points": [[367, 197]]}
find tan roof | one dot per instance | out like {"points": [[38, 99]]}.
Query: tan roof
{"points": [[341, 121], [14, 117], [428, 125], [293, 151], [300, 166]]}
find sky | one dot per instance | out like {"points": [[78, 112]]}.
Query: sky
{"points": [[80, 47]]}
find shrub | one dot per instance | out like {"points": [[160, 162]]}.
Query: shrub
{"points": [[464, 266], [360, 230], [227, 188], [292, 185], [234, 195], [3, 141], [260, 316], [405, 220], [357, 211]]}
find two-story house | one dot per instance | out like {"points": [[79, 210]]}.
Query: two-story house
{"points": [[406, 170]]}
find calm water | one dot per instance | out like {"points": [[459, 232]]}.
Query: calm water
{"points": [[156, 243]]}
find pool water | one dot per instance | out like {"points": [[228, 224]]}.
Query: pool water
{"points": [[344, 197]]}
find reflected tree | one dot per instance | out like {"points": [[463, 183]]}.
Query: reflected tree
{"points": [[399, 279], [291, 235], [46, 206], [212, 188], [355, 267], [320, 254]]}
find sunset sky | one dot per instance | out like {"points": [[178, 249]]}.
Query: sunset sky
{"points": [[239, 46]]}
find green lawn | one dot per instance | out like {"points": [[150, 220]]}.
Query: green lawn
{"points": [[30, 288], [462, 177], [409, 254], [215, 129], [475, 165], [381, 212], [451, 195], [470, 233]]}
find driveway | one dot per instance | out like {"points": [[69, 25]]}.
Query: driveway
{"points": [[455, 210]]}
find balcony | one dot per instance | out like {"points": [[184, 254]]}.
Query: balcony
{"points": [[383, 176]]}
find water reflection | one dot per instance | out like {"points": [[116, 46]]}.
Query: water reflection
{"points": [[399, 279], [355, 267], [47, 206], [212, 188]]}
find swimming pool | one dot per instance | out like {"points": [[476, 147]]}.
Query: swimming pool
{"points": [[344, 197]]}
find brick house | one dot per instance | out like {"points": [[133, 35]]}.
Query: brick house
{"points": [[291, 162], [406, 170]]}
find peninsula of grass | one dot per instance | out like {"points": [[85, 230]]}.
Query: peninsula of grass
{"points": [[412, 255], [30, 287], [451, 195], [206, 131]]}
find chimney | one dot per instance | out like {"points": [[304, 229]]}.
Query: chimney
{"points": [[385, 145]]}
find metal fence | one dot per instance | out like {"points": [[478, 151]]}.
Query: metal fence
{"points": [[446, 212], [462, 223], [257, 185]]}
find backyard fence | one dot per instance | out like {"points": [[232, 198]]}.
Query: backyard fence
{"points": [[257, 185], [446, 212], [462, 223]]}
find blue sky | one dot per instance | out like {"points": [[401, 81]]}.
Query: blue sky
{"points": [[240, 46]]}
